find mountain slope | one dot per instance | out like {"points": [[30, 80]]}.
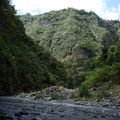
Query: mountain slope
{"points": [[81, 40], [61, 31], [24, 65]]}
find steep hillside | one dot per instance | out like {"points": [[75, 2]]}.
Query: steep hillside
{"points": [[24, 65], [62, 31], [80, 39]]}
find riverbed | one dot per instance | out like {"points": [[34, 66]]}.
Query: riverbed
{"points": [[25, 109]]}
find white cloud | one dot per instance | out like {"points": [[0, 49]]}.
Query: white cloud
{"points": [[41, 6], [112, 14]]}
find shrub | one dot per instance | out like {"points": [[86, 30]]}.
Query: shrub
{"points": [[56, 96], [83, 91]]}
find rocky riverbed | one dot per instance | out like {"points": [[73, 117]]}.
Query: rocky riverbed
{"points": [[14, 108]]}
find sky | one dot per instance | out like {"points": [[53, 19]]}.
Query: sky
{"points": [[106, 9]]}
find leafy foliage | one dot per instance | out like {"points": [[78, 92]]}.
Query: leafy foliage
{"points": [[100, 76], [24, 65], [87, 46], [81, 40]]}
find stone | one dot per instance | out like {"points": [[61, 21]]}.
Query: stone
{"points": [[95, 116], [62, 116], [21, 113], [36, 118]]}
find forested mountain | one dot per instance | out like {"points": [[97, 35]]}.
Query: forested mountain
{"points": [[63, 31], [24, 65], [87, 45], [87, 49]]}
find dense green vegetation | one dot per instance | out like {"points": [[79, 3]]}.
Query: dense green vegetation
{"points": [[62, 32], [85, 51], [87, 45], [24, 65], [105, 74]]}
